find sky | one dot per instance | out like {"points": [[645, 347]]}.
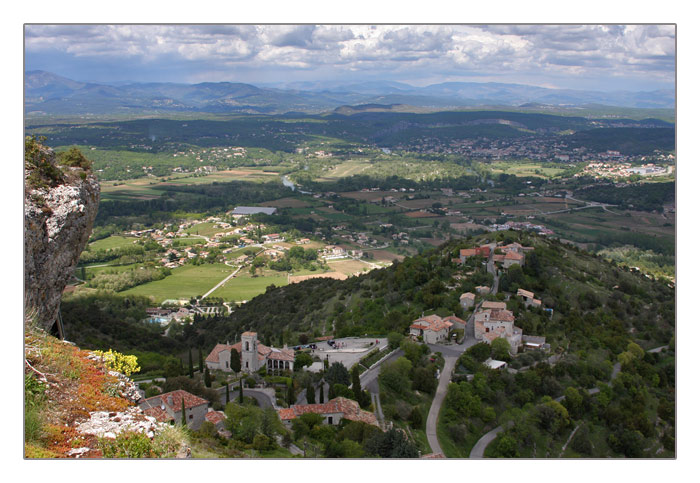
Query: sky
{"points": [[585, 57]]}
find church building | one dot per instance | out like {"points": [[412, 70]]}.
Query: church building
{"points": [[254, 355]]}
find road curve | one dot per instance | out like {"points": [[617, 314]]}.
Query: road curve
{"points": [[431, 423]]}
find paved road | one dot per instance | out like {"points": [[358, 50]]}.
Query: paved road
{"points": [[431, 423], [264, 399]]}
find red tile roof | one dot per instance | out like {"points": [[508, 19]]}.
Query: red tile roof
{"points": [[525, 293], [455, 320], [158, 413], [493, 305], [434, 323], [350, 410], [514, 256], [215, 417], [177, 397], [502, 316]]}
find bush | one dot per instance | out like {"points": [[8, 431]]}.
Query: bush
{"points": [[128, 445], [118, 362]]}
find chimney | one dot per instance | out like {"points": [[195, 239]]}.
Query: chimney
{"points": [[170, 400]]}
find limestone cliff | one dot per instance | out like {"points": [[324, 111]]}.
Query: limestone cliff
{"points": [[59, 210]]}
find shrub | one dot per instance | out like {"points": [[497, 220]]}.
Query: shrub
{"points": [[128, 445], [118, 362]]}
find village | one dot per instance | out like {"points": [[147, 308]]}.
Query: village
{"points": [[486, 320]]}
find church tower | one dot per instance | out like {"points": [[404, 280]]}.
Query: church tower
{"points": [[249, 352]]}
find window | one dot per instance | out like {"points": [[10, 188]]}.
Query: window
{"points": [[330, 419], [246, 364], [227, 365], [191, 416]]}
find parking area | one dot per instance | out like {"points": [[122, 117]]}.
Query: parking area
{"points": [[349, 350]]}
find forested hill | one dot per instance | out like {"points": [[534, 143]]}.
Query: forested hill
{"points": [[596, 304]]}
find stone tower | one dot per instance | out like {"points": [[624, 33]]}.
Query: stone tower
{"points": [[249, 352]]}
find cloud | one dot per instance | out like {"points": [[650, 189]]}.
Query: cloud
{"points": [[503, 51]]}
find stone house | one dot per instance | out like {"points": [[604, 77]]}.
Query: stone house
{"points": [[168, 408], [488, 304], [466, 300], [482, 251], [332, 412], [254, 355], [529, 298], [512, 258], [432, 328], [490, 324]]}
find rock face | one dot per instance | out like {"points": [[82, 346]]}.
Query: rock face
{"points": [[57, 224]]}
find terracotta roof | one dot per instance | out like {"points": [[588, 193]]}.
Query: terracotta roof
{"points": [[158, 413], [215, 417], [467, 295], [514, 256], [434, 323], [499, 258], [493, 305], [286, 414], [214, 354], [249, 333], [190, 400], [455, 320], [350, 410], [525, 293], [502, 316], [281, 354]]}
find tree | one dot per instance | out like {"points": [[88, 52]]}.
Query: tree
{"points": [[235, 361], [240, 390], [207, 377], [480, 352], [302, 359], [394, 339], [356, 386], [416, 418], [337, 374], [227, 394], [182, 409], [290, 393], [310, 393], [320, 394], [191, 368], [201, 361], [500, 349]]}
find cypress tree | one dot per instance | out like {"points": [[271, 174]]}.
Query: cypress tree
{"points": [[310, 396], [201, 361], [235, 361], [320, 394], [207, 377], [356, 386], [228, 400], [331, 392], [184, 419], [290, 393], [191, 368], [240, 391]]}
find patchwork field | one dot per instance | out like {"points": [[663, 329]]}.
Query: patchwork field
{"points": [[349, 267], [113, 241], [244, 287], [348, 168], [185, 282]]}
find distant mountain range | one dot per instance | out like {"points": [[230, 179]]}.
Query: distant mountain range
{"points": [[48, 93]]}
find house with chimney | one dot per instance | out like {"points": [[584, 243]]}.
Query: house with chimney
{"points": [[167, 408], [432, 328], [254, 356]]}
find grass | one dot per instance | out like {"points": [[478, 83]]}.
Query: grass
{"points": [[114, 241], [205, 229], [244, 287], [185, 282]]}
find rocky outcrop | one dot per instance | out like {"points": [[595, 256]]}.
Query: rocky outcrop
{"points": [[57, 224]]}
